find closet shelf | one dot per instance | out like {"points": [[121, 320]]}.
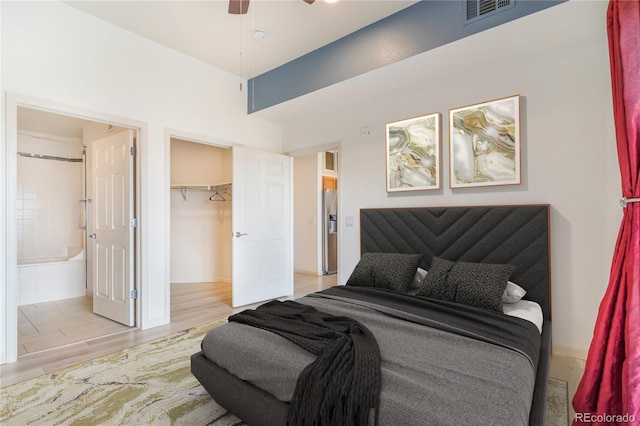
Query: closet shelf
{"points": [[213, 188]]}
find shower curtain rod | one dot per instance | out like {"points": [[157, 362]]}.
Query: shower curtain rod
{"points": [[50, 157]]}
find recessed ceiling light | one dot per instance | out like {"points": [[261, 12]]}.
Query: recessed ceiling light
{"points": [[331, 1]]}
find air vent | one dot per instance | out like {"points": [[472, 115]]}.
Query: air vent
{"points": [[478, 9]]}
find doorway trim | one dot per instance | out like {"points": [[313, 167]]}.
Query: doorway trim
{"points": [[316, 149], [189, 137], [8, 252]]}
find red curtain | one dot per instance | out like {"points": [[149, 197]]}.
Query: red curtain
{"points": [[609, 392]]}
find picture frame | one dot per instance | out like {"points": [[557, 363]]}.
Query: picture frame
{"points": [[413, 153], [484, 144]]}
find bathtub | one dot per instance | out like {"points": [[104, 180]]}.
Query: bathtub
{"points": [[47, 279]]}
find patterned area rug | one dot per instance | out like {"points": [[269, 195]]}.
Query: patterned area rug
{"points": [[148, 384], [557, 403]]}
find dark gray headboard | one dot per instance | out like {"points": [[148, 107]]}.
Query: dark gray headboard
{"points": [[518, 235]]}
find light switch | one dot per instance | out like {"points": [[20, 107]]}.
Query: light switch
{"points": [[348, 221]]}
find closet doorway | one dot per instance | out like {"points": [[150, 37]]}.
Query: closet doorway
{"points": [[201, 221]]}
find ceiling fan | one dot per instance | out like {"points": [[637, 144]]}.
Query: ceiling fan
{"points": [[240, 7]]}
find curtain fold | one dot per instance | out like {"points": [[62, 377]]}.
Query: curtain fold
{"points": [[609, 392]]}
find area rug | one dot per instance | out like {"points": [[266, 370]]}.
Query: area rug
{"points": [[148, 384], [557, 403]]}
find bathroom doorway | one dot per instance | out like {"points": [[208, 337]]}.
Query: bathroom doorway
{"points": [[57, 219]]}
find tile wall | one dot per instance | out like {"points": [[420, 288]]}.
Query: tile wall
{"points": [[47, 197]]}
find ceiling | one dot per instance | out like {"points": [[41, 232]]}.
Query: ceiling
{"points": [[206, 31], [49, 123]]}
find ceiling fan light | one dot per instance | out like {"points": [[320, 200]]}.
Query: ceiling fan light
{"points": [[259, 34]]}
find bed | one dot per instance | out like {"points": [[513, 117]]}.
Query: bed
{"points": [[443, 362]]}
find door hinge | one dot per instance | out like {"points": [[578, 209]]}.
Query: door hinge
{"points": [[134, 294], [133, 151], [134, 222]]}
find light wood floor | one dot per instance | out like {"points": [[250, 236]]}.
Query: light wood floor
{"points": [[71, 333]]}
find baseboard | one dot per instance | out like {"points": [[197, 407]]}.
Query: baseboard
{"points": [[306, 272], [569, 351], [224, 280]]}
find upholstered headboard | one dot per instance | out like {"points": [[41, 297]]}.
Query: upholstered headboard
{"points": [[518, 235]]}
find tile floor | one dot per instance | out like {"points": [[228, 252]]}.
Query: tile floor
{"points": [[47, 325]]}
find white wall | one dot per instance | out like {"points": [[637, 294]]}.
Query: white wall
{"points": [[306, 187], [569, 157], [53, 52], [200, 228]]}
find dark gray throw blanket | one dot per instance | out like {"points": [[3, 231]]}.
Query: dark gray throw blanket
{"points": [[342, 386]]}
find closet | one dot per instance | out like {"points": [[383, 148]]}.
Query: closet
{"points": [[200, 213]]}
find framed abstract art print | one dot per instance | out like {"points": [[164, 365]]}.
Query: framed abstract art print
{"points": [[484, 144], [413, 153]]}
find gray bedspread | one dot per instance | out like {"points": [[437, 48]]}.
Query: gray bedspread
{"points": [[430, 376]]}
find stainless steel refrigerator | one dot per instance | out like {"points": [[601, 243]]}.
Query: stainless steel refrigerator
{"points": [[329, 231]]}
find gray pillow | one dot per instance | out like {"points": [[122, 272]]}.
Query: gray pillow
{"points": [[393, 271], [474, 284]]}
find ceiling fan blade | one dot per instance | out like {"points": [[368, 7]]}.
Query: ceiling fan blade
{"points": [[309, 1], [239, 7]]}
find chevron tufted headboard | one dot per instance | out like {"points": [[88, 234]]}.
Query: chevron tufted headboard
{"points": [[518, 235]]}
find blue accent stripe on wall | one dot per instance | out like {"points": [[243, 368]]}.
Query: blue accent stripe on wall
{"points": [[414, 30]]}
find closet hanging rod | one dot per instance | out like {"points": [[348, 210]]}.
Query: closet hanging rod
{"points": [[217, 188], [203, 187], [49, 157]]}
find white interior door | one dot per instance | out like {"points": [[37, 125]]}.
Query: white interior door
{"points": [[262, 236], [111, 229]]}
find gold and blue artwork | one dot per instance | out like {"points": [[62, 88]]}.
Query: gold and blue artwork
{"points": [[413, 153], [484, 144]]}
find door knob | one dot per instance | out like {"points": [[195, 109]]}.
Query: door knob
{"points": [[93, 236], [239, 234]]}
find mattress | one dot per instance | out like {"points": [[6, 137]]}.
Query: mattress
{"points": [[526, 310], [441, 363]]}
